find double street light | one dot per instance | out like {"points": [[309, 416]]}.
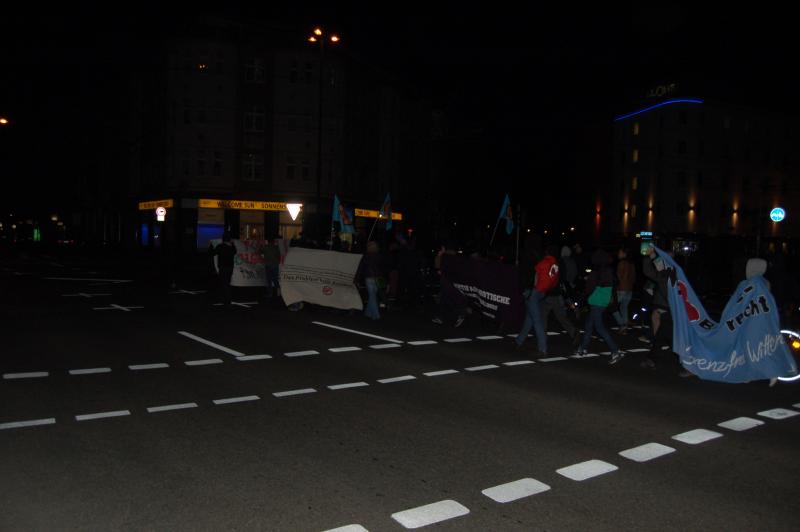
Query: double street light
{"points": [[320, 38]]}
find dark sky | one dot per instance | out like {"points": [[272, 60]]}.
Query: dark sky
{"points": [[528, 83]]}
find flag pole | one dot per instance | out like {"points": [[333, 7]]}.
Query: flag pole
{"points": [[494, 233], [519, 222], [373, 227]]}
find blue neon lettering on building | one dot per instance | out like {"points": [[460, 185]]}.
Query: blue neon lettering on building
{"points": [[662, 104]]}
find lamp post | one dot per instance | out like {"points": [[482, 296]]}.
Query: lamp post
{"points": [[320, 37]]}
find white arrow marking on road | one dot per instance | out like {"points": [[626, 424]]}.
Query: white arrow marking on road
{"points": [[31, 423], [430, 513], [114, 306], [586, 470], [693, 437], [512, 491], [83, 294], [211, 344], [646, 452], [740, 423], [357, 332]]}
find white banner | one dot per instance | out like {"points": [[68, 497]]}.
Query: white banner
{"points": [[248, 264], [320, 277]]}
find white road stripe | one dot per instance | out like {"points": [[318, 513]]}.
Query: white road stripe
{"points": [[693, 437], [294, 354], [81, 279], [397, 379], [740, 423], [423, 342], [357, 332], [231, 400], [347, 385], [89, 371], [778, 413], [343, 349], [512, 491], [30, 375], [211, 344], [586, 470], [518, 362], [253, 357], [165, 408], [646, 452], [294, 392], [637, 350], [100, 415], [430, 513], [552, 333], [160, 365], [31, 423], [442, 372], [204, 362], [385, 346], [348, 528], [587, 355], [492, 337], [457, 340], [552, 359], [482, 368]]}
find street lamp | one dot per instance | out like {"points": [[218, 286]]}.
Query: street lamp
{"points": [[320, 37], [3, 121]]}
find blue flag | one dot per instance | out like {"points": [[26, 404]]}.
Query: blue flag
{"points": [[746, 345], [335, 214], [386, 211], [342, 215], [507, 213]]}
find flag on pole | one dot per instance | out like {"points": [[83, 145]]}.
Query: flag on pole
{"points": [[507, 213], [343, 216], [386, 211], [335, 213]]}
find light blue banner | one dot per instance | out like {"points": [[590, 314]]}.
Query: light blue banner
{"points": [[746, 345]]}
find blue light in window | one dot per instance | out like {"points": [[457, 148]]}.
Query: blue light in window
{"points": [[662, 104]]}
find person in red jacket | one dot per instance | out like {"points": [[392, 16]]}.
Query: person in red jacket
{"points": [[546, 277]]}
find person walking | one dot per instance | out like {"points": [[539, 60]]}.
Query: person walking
{"points": [[225, 252], [545, 278], [372, 274], [626, 277], [554, 300], [599, 285]]}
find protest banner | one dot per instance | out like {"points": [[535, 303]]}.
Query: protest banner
{"points": [[320, 277]]}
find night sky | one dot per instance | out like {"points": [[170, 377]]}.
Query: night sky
{"points": [[532, 90]]}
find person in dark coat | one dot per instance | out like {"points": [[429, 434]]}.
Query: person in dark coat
{"points": [[598, 289], [225, 252]]}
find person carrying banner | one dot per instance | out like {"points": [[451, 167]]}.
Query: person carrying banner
{"points": [[546, 277], [599, 286]]}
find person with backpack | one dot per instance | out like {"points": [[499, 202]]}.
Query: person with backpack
{"points": [[599, 286], [546, 276], [554, 300]]}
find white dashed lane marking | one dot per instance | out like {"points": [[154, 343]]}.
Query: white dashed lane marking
{"points": [[90, 371], [457, 340], [343, 349], [430, 514], [294, 354], [384, 346], [29, 375], [101, 415], [287, 393], [231, 400], [552, 359], [482, 368], [490, 337], [347, 385], [646, 452], [140, 367], [211, 344], [348, 528], [512, 491], [205, 362], [423, 342], [694, 437], [518, 362], [740, 423], [357, 332], [30, 423], [248, 358], [586, 470], [441, 372], [778, 413], [166, 408], [397, 379]]}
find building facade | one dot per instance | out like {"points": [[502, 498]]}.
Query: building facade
{"points": [[692, 166]]}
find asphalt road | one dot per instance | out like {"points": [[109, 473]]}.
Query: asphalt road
{"points": [[182, 415]]}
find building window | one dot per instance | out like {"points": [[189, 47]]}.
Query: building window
{"points": [[253, 167], [635, 155], [635, 129], [290, 168], [682, 146], [305, 171], [634, 183], [254, 119], [254, 70], [217, 164]]}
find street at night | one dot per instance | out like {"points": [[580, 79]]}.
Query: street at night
{"points": [[126, 407]]}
